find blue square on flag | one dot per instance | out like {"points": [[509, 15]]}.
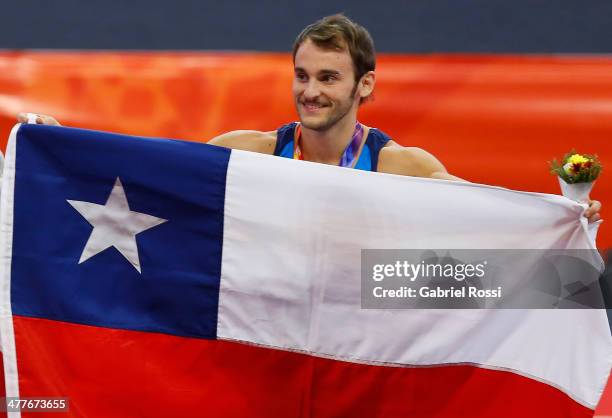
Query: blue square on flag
{"points": [[118, 231]]}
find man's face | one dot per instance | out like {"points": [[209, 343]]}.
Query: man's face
{"points": [[324, 87]]}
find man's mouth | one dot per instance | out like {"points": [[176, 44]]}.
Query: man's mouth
{"points": [[313, 107]]}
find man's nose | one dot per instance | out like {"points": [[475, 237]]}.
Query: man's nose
{"points": [[312, 90]]}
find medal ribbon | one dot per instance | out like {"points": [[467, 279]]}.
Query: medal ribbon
{"points": [[349, 154]]}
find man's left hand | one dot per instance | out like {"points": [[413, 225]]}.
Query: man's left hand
{"points": [[592, 213]]}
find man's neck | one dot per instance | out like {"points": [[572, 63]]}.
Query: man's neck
{"points": [[327, 146]]}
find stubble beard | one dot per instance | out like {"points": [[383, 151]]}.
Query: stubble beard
{"points": [[338, 114]]}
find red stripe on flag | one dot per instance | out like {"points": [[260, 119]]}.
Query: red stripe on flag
{"points": [[117, 373]]}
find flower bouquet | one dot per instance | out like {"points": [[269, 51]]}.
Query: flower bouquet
{"points": [[577, 174]]}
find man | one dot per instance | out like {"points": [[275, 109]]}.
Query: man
{"points": [[334, 63]]}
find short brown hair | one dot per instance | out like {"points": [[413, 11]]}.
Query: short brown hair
{"points": [[338, 32]]}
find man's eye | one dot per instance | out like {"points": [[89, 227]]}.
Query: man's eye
{"points": [[300, 77]]}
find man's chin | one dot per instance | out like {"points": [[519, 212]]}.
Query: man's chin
{"points": [[315, 124]]}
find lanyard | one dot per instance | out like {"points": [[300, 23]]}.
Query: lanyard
{"points": [[349, 154]]}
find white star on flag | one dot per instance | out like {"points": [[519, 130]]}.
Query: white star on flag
{"points": [[114, 225]]}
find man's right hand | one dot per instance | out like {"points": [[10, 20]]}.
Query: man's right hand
{"points": [[39, 119]]}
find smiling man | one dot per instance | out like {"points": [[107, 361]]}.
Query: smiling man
{"points": [[334, 62]]}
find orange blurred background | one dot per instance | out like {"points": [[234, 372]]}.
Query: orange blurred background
{"points": [[490, 119]]}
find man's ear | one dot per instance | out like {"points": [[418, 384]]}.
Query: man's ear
{"points": [[366, 84]]}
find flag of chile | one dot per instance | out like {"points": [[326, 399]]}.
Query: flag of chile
{"points": [[158, 278]]}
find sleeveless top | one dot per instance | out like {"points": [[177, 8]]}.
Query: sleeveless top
{"points": [[368, 160]]}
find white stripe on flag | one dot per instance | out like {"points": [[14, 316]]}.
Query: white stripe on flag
{"points": [[293, 236], [9, 353]]}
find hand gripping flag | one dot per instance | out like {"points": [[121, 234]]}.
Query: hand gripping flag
{"points": [[155, 278]]}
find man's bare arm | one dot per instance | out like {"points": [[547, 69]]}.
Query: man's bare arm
{"points": [[412, 161], [255, 141]]}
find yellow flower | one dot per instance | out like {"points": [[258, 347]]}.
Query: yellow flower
{"points": [[577, 159], [569, 169]]}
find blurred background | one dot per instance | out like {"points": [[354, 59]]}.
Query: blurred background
{"points": [[495, 89]]}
